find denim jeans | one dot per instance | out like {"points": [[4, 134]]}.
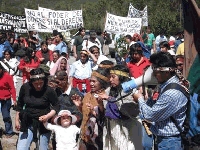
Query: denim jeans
{"points": [[5, 110], [169, 143], [147, 141], [25, 139]]}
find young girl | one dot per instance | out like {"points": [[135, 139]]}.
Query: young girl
{"points": [[65, 130]]}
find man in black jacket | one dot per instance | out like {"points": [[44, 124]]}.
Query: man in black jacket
{"points": [[68, 91]]}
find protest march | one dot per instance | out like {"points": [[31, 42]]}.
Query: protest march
{"points": [[117, 85]]}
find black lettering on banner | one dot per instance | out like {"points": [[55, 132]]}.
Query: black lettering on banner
{"points": [[66, 15], [41, 26], [31, 26], [56, 14], [30, 13], [63, 20]]}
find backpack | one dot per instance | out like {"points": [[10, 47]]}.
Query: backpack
{"points": [[191, 133]]}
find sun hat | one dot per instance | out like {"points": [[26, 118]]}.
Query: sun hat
{"points": [[65, 112]]}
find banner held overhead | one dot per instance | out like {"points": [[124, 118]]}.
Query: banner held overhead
{"points": [[122, 25]]}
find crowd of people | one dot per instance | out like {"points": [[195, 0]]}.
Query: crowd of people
{"points": [[83, 105]]}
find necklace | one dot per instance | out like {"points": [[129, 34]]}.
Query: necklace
{"points": [[97, 92]]}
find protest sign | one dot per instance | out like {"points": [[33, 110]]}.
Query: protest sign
{"points": [[13, 22], [47, 21], [135, 13], [122, 25]]}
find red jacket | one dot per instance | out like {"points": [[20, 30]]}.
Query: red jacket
{"points": [[137, 69], [39, 54], [22, 66], [7, 89]]}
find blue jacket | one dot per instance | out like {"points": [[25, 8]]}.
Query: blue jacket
{"points": [[5, 46]]}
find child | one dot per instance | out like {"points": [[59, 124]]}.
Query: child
{"points": [[65, 131]]}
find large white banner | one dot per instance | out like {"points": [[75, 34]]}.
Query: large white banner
{"points": [[122, 25], [47, 21], [135, 13], [12, 22]]}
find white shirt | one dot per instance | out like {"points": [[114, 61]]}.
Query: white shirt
{"points": [[13, 63], [99, 60], [160, 39], [80, 71], [68, 90], [50, 64], [65, 137], [86, 45], [51, 47]]}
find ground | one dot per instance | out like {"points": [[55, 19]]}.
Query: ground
{"points": [[8, 143]]}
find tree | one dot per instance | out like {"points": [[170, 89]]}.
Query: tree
{"points": [[161, 14]]}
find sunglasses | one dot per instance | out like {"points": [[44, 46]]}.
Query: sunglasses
{"points": [[179, 64]]}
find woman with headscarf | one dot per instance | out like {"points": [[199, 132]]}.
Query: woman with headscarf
{"points": [[61, 64]]}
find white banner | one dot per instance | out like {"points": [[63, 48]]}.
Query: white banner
{"points": [[122, 25], [135, 13], [47, 21]]}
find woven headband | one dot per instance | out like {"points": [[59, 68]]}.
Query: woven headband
{"points": [[96, 74], [84, 52], [120, 73], [105, 66], [37, 76]]}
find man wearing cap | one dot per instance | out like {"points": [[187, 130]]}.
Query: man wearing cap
{"points": [[93, 40], [80, 72], [172, 103]]}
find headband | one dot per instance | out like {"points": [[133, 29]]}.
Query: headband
{"points": [[37, 76], [171, 69], [105, 66], [84, 52], [96, 74], [121, 73]]}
